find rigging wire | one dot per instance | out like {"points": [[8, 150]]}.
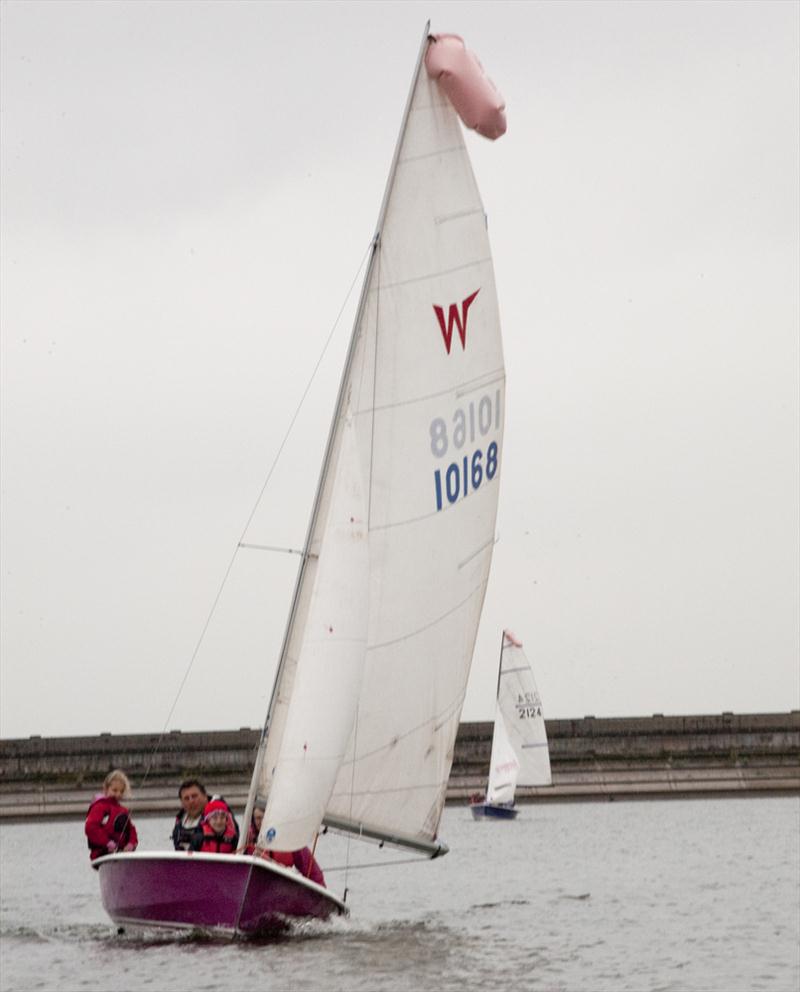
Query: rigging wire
{"points": [[256, 505], [376, 864]]}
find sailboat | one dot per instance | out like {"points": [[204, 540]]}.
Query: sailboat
{"points": [[520, 754], [361, 725]]}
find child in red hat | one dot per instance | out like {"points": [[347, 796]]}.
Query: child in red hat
{"points": [[219, 830]]}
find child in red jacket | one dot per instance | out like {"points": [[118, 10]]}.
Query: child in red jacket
{"points": [[219, 829], [109, 827]]}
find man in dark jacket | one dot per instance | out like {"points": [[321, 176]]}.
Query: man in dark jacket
{"points": [[187, 834]]}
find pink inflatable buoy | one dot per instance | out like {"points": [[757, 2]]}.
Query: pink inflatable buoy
{"points": [[473, 95]]}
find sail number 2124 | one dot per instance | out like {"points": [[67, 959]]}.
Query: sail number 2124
{"points": [[470, 424]]}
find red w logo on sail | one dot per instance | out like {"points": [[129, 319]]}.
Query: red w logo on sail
{"points": [[455, 318]]}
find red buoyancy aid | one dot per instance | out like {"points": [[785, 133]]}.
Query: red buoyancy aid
{"points": [[218, 843], [303, 860], [284, 858], [108, 822]]}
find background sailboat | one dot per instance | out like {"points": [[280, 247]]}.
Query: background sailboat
{"points": [[373, 670], [520, 754]]}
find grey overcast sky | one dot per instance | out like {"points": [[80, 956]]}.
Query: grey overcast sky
{"points": [[188, 190]]}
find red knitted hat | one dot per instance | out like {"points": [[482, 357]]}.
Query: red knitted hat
{"points": [[215, 806]]}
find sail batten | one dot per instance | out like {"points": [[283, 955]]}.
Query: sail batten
{"points": [[430, 276], [464, 389]]}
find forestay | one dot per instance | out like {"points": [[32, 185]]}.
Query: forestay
{"points": [[380, 640]]}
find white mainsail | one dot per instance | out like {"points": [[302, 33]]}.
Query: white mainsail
{"points": [[520, 754], [380, 640]]}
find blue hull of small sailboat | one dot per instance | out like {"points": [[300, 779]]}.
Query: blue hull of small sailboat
{"points": [[482, 811]]}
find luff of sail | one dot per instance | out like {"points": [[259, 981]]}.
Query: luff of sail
{"points": [[424, 393]]}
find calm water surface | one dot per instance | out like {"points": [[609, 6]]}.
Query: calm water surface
{"points": [[683, 895]]}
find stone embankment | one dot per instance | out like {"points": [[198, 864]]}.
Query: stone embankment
{"points": [[592, 758]]}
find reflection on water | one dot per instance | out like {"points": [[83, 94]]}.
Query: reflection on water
{"points": [[683, 895]]}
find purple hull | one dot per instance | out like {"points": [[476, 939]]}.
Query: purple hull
{"points": [[494, 811], [225, 893]]}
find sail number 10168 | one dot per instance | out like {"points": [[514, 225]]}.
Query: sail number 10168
{"points": [[469, 470]]}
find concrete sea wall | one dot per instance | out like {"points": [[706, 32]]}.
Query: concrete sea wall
{"points": [[592, 758]]}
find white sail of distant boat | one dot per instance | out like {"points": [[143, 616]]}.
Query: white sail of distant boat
{"points": [[520, 753], [374, 665]]}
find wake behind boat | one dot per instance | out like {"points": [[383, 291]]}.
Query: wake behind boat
{"points": [[374, 664], [520, 754]]}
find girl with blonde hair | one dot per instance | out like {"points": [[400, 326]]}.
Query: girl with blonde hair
{"points": [[109, 827]]}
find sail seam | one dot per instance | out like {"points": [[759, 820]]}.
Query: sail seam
{"points": [[456, 216], [424, 787], [451, 507], [461, 389], [438, 719], [451, 150], [489, 379], [415, 633], [433, 275], [489, 544]]}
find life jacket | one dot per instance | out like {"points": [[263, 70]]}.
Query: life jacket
{"points": [[285, 858], [219, 843], [107, 820], [187, 838]]}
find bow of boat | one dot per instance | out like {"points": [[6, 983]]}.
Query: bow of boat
{"points": [[226, 894]]}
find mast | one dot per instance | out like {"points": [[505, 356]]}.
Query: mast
{"points": [[324, 471]]}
